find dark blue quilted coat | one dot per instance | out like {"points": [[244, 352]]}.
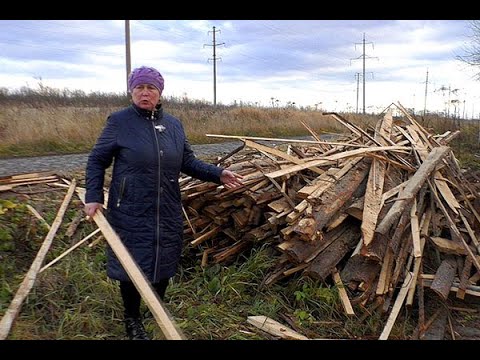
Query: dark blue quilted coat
{"points": [[148, 150]]}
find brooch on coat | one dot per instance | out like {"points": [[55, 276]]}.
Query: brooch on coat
{"points": [[160, 128]]}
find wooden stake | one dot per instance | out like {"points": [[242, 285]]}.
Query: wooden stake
{"points": [[396, 307], [343, 293], [38, 216], [65, 253], [31, 276]]}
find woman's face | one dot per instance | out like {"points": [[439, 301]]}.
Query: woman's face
{"points": [[145, 96]]}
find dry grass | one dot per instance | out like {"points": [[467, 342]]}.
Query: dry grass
{"points": [[27, 131]]}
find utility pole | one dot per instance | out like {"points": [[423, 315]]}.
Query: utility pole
{"points": [[127, 49], [426, 91], [215, 66], [449, 94], [363, 56], [357, 76]]}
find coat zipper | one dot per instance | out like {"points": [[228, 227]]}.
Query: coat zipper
{"points": [[122, 189], [159, 187]]}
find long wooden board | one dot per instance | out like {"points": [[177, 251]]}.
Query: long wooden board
{"points": [[163, 318]]}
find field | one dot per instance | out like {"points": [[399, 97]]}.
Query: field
{"points": [[75, 300]]}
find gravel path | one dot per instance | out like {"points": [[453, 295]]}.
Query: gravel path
{"points": [[24, 165]]}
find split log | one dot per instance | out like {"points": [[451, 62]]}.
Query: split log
{"points": [[374, 189], [325, 262], [300, 251], [444, 277], [341, 194], [411, 189], [359, 270]]}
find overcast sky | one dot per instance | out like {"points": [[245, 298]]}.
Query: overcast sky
{"points": [[306, 62]]}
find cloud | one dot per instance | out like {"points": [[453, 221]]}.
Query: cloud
{"points": [[303, 61]]}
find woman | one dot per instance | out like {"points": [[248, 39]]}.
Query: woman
{"points": [[149, 149]]}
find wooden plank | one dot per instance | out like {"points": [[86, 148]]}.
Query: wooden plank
{"points": [[30, 180], [38, 216], [204, 237], [453, 227], [33, 182], [385, 272], [470, 231], [447, 194], [280, 154], [149, 295], [448, 246], [274, 328], [471, 290], [467, 268], [188, 220], [331, 159], [417, 252], [233, 152], [69, 250], [396, 307], [279, 205], [31, 276], [343, 293], [232, 250], [372, 200], [298, 210], [376, 179], [7, 179], [416, 270], [317, 183], [297, 141]]}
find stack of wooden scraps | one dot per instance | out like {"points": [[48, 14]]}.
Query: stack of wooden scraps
{"points": [[366, 210], [9, 183]]}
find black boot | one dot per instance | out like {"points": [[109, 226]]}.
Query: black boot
{"points": [[135, 329]]}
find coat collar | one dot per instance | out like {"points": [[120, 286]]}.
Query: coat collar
{"points": [[152, 115]]}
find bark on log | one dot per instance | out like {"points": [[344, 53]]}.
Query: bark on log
{"points": [[444, 277], [411, 189], [359, 269], [341, 194], [323, 265], [301, 251]]}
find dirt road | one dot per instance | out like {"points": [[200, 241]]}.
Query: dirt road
{"points": [[23, 165]]}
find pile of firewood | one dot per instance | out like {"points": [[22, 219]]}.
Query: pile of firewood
{"points": [[362, 210]]}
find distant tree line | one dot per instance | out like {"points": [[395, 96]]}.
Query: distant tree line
{"points": [[45, 96]]}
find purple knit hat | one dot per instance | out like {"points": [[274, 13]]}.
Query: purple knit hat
{"points": [[145, 75]]}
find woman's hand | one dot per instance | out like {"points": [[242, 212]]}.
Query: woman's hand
{"points": [[91, 208], [230, 179]]}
